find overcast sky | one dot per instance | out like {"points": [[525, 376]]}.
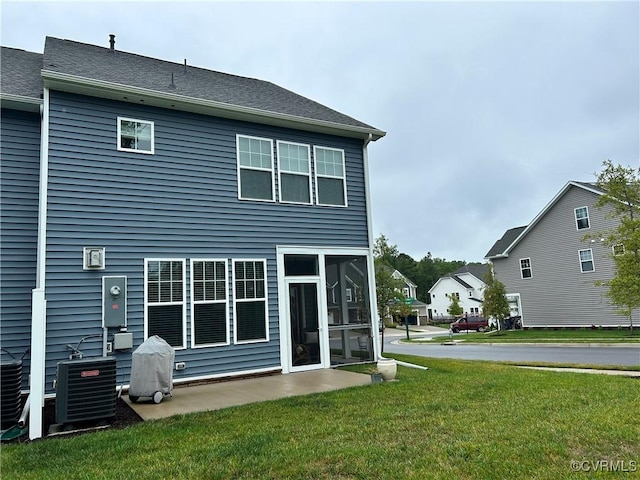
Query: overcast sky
{"points": [[489, 107]]}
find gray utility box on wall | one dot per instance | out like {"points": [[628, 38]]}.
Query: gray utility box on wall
{"points": [[114, 301]]}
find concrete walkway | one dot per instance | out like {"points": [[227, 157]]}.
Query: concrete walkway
{"points": [[217, 395], [622, 373]]}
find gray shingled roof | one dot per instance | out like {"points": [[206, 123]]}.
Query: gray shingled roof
{"points": [[83, 61], [507, 239], [20, 74], [478, 270]]}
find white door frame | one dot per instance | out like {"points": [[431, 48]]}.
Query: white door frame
{"points": [[323, 336], [323, 320]]}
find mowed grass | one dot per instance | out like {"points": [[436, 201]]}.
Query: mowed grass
{"points": [[458, 420], [546, 336]]}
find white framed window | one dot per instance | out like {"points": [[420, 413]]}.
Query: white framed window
{"points": [[582, 218], [255, 168], [251, 315], [349, 294], [525, 268], [586, 260], [294, 172], [135, 135], [331, 185], [164, 293], [618, 249], [209, 303]]}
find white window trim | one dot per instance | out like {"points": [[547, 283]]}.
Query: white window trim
{"points": [[280, 172], [343, 177], [184, 298], [236, 301], [260, 169], [193, 302], [613, 249], [349, 295], [522, 269], [127, 119], [593, 262], [575, 216]]}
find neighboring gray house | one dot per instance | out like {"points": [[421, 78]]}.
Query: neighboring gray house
{"points": [[142, 197], [466, 284], [550, 272]]}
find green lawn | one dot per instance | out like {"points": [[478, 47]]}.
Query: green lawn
{"points": [[586, 335], [458, 420]]}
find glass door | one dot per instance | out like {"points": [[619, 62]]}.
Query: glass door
{"points": [[305, 325]]}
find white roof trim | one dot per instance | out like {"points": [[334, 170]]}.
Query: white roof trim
{"points": [[544, 211], [115, 91]]}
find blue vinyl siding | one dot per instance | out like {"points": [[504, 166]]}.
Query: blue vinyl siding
{"points": [[19, 187], [181, 202]]}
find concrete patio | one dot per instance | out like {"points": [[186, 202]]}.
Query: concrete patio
{"points": [[217, 395]]}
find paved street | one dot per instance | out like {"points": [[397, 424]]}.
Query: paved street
{"points": [[597, 355]]}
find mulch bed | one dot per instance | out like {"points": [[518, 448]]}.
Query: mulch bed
{"points": [[125, 416]]}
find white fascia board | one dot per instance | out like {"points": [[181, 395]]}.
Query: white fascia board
{"points": [[114, 91], [542, 213], [19, 102]]}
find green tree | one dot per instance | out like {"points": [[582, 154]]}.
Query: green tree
{"points": [[388, 288], [385, 252], [494, 298], [621, 187], [454, 309]]}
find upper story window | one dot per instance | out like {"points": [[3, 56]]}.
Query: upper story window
{"points": [[255, 168], [209, 311], [582, 218], [165, 304], [586, 260], [618, 249], [135, 135], [525, 268], [331, 187], [295, 173]]}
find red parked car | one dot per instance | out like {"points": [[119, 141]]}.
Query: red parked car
{"points": [[479, 324]]}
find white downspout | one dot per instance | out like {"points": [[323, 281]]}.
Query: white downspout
{"points": [[375, 321], [38, 310]]}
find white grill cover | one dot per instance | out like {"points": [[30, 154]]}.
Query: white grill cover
{"points": [[152, 368]]}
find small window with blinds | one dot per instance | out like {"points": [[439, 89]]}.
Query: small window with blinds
{"points": [[250, 301], [209, 308], [165, 301]]}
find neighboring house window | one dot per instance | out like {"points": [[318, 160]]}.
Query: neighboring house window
{"points": [[618, 249], [349, 295], [250, 301], [582, 218], [586, 260], [471, 293], [295, 172], [135, 135], [525, 267], [406, 292], [255, 168], [209, 310], [165, 305], [331, 187], [455, 294]]}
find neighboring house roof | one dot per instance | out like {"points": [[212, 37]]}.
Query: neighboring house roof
{"points": [[513, 236], [397, 273], [111, 73], [20, 81], [478, 270], [507, 239], [460, 281]]}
